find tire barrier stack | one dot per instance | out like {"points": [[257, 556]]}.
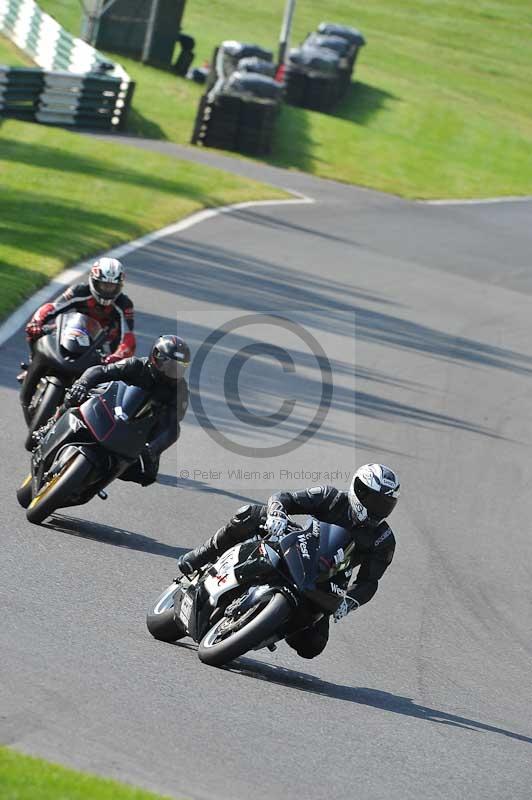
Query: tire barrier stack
{"points": [[75, 85], [319, 72], [241, 105], [20, 91]]}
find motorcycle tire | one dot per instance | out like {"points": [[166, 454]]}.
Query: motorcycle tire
{"points": [[58, 491], [24, 492], [51, 399], [161, 621], [259, 628]]}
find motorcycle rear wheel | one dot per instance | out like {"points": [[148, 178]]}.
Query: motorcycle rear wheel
{"points": [[161, 621], [260, 627], [58, 491]]}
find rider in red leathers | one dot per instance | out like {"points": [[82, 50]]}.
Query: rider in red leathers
{"points": [[102, 299]]}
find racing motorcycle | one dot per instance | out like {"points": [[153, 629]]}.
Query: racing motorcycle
{"points": [[257, 593], [68, 346], [86, 449]]}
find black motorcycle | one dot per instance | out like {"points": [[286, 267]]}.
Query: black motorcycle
{"points": [[68, 346], [86, 449], [257, 593]]}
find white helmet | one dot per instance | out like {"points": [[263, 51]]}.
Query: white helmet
{"points": [[106, 280], [376, 488]]}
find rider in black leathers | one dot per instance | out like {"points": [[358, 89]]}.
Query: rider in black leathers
{"points": [[372, 496], [162, 375]]}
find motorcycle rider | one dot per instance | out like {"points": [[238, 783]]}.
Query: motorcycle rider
{"points": [[162, 374], [102, 299], [371, 497]]}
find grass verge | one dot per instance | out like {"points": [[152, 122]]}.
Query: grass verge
{"points": [[442, 106], [66, 196], [27, 778], [11, 55]]}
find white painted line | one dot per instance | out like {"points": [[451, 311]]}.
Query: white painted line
{"points": [[56, 286], [480, 201]]}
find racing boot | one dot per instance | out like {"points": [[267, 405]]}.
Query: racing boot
{"points": [[195, 559], [239, 528], [22, 375]]}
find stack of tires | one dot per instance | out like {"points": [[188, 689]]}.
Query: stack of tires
{"points": [[20, 91], [319, 72], [240, 108]]}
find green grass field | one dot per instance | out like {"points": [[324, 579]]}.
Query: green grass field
{"points": [[442, 106], [66, 196], [26, 778]]}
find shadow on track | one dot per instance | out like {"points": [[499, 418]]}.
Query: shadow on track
{"points": [[214, 274], [374, 698], [305, 384], [109, 534]]}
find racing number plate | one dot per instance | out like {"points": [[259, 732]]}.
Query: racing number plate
{"points": [[186, 608]]}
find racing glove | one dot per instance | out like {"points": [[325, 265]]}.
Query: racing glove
{"points": [[33, 330], [112, 358], [276, 522], [347, 605], [77, 394]]}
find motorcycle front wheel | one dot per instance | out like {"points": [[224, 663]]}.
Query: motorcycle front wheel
{"points": [[57, 492], [161, 621], [225, 642]]}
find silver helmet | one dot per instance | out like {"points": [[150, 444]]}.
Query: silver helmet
{"points": [[376, 488], [106, 280]]}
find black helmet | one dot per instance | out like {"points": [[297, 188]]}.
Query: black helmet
{"points": [[170, 356], [377, 488]]}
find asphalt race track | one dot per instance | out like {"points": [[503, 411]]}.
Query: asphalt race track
{"points": [[423, 313]]}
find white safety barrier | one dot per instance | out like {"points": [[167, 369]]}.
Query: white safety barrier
{"points": [[76, 85]]}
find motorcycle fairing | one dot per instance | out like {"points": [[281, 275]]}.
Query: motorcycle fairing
{"points": [[67, 428], [242, 564], [239, 566], [198, 609], [120, 418], [221, 577], [313, 555], [52, 358]]}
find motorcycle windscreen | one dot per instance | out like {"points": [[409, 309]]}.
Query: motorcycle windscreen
{"points": [[78, 331], [334, 542], [310, 556], [120, 418]]}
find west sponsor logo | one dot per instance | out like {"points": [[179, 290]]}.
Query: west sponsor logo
{"points": [[337, 589], [302, 541]]}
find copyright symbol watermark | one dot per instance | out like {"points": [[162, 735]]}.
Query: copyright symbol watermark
{"points": [[260, 385]]}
